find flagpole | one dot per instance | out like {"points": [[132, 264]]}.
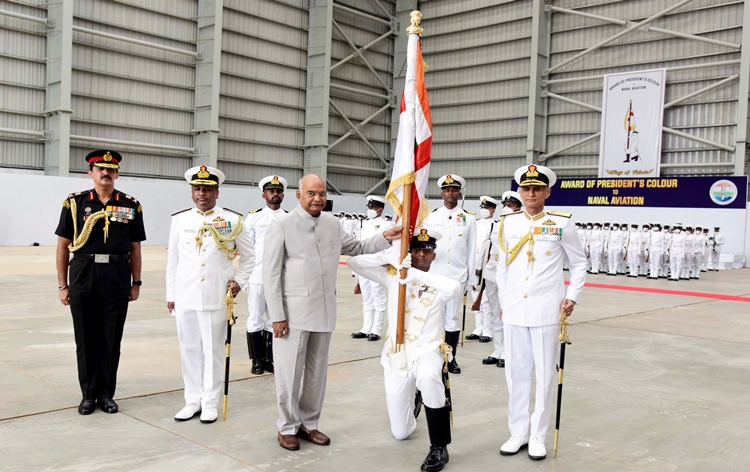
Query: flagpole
{"points": [[405, 236]]}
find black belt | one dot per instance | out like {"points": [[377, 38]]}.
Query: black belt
{"points": [[102, 258]]}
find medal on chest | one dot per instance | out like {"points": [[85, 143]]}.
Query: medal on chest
{"points": [[461, 219], [120, 214], [223, 226], [545, 233]]}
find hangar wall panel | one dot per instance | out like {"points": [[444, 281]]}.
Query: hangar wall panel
{"points": [[23, 47], [478, 81]]}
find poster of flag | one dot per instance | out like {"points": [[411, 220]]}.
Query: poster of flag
{"points": [[632, 148]]}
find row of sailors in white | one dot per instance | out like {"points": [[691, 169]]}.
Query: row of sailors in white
{"points": [[353, 222], [488, 326], [647, 252], [373, 293]]}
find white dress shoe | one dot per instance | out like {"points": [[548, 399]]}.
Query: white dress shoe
{"points": [[188, 412], [537, 451], [513, 445], [209, 415]]}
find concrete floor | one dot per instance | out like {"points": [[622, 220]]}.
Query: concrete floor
{"points": [[654, 382]]}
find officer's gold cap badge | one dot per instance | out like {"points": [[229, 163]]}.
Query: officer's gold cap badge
{"points": [[449, 179], [275, 180], [203, 173], [484, 200], [532, 172], [423, 236], [107, 157]]}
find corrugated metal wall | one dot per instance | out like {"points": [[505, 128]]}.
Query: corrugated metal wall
{"points": [[262, 109], [23, 47], [357, 107], [478, 52], [711, 115], [131, 92]]}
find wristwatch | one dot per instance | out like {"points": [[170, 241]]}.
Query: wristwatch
{"points": [[138, 283]]}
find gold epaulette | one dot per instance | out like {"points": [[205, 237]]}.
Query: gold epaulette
{"points": [[181, 211], [559, 213], [235, 212], [469, 212], [433, 211], [73, 195], [255, 211]]}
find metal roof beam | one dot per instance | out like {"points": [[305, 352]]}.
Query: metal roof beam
{"points": [[616, 37]]}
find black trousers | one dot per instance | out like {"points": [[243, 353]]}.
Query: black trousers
{"points": [[99, 305]]}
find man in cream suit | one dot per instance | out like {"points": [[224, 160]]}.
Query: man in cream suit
{"points": [[300, 262]]}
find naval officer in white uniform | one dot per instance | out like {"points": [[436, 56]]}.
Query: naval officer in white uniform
{"points": [[419, 363], [259, 329], [534, 245], [200, 267], [373, 294], [482, 316], [455, 257]]}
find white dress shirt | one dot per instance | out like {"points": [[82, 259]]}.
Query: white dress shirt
{"points": [[256, 225]]}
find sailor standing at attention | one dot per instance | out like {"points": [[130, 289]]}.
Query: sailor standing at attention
{"points": [[259, 328], [455, 257]]}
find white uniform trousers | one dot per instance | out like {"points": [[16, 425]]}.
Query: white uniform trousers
{"points": [[478, 315], [202, 336], [300, 402], [676, 262], [613, 257], [596, 259], [495, 323], [453, 315], [426, 375], [697, 264], [688, 265], [373, 295], [258, 318], [526, 348], [665, 266], [715, 257], [633, 263], [655, 262]]}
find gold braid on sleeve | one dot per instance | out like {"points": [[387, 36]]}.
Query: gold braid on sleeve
{"points": [[513, 252], [221, 241], [80, 240]]}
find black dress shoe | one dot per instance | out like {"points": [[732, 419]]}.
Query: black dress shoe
{"points": [[453, 367], [436, 459], [417, 404], [257, 367], [485, 339], [490, 360], [108, 405], [86, 407], [359, 335], [501, 363], [373, 337], [471, 337]]}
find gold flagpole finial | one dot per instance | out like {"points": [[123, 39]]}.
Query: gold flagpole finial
{"points": [[416, 18]]}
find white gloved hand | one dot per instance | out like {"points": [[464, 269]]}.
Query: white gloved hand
{"points": [[412, 275], [393, 258]]}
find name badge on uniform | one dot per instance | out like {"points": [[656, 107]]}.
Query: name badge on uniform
{"points": [[223, 226], [543, 233], [120, 214], [461, 219]]}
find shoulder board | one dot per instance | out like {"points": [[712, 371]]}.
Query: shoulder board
{"points": [[469, 212], [181, 211], [286, 211], [72, 195], [517, 212], [559, 213], [254, 211], [132, 199], [235, 212], [436, 209]]}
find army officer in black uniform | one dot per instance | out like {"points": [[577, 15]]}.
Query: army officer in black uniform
{"points": [[103, 229]]}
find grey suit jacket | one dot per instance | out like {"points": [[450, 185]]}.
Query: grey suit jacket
{"points": [[300, 262]]}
